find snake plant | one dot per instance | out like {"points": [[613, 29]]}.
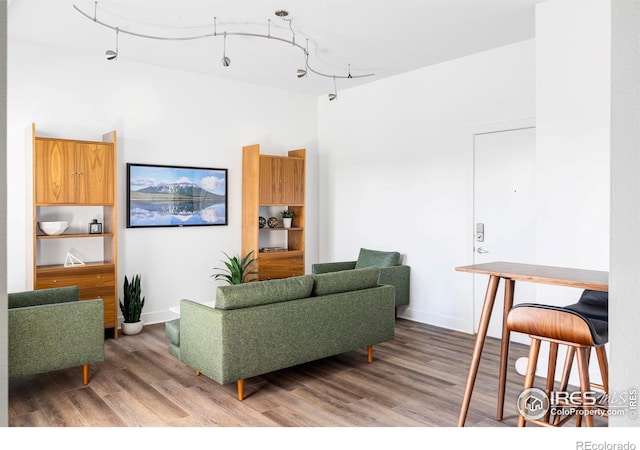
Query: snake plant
{"points": [[133, 303]]}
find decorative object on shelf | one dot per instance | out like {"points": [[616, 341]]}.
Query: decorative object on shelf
{"points": [[287, 217], [272, 249], [132, 305], [175, 196], [95, 227], [71, 261], [53, 228], [273, 222], [226, 61], [237, 270], [262, 222]]}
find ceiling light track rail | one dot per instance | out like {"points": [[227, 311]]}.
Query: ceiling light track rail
{"points": [[292, 42]]}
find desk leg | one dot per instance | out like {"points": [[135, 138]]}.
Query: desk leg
{"points": [[509, 288], [485, 316]]}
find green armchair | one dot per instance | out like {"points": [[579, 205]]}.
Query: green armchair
{"points": [[391, 271], [52, 329]]}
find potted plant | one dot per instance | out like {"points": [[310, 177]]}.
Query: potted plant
{"points": [[287, 217], [132, 305], [237, 270]]}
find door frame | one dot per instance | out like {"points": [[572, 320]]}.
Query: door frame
{"points": [[475, 130]]}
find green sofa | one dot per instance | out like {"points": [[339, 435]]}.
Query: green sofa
{"points": [[391, 271], [52, 329], [261, 327]]}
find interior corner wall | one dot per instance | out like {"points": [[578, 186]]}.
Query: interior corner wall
{"points": [[162, 116], [624, 282], [4, 339], [396, 170], [572, 138]]}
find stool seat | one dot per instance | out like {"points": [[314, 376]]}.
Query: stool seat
{"points": [[581, 326], [592, 304], [558, 322]]}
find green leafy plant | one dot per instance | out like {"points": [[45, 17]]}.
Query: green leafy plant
{"points": [[237, 270], [133, 303], [287, 213]]}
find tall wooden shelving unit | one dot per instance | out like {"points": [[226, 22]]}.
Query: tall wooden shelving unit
{"points": [[76, 180], [271, 183]]}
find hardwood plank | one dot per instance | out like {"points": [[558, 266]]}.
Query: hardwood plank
{"points": [[416, 380]]}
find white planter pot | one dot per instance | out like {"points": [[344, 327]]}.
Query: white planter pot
{"points": [[286, 222], [132, 328]]}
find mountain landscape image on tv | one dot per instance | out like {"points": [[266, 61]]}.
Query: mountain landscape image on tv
{"points": [[169, 196]]}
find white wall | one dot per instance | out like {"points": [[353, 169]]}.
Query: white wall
{"points": [[396, 170], [161, 116], [624, 282], [573, 85]]}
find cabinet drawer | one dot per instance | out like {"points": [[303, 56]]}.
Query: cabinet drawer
{"points": [[281, 267], [108, 299], [85, 279]]}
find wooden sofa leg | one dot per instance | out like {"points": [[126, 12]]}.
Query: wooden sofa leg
{"points": [[197, 373], [240, 384], [85, 374], [370, 353]]}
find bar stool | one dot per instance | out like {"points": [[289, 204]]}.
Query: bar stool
{"points": [[581, 327]]}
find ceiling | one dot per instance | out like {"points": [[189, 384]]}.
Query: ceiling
{"points": [[382, 37]]}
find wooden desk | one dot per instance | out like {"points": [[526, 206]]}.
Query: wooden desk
{"points": [[512, 272]]}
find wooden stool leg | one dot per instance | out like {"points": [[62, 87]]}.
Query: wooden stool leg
{"points": [[551, 374], [534, 350], [585, 384], [601, 353], [566, 372], [370, 353]]}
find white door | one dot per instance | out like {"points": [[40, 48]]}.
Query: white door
{"points": [[505, 206]]}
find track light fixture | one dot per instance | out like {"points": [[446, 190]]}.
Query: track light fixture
{"points": [[226, 61], [333, 95], [111, 54]]}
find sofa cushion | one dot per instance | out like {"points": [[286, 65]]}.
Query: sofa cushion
{"points": [[43, 297], [263, 292], [345, 280], [375, 258], [172, 331]]}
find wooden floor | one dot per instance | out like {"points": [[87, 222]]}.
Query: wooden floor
{"points": [[417, 380]]}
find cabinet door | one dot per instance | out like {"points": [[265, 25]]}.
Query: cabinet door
{"points": [[292, 174], [55, 171], [281, 180], [270, 179], [95, 173]]}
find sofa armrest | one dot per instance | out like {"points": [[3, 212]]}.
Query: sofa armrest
{"points": [[332, 267], [399, 277], [55, 336], [201, 338]]}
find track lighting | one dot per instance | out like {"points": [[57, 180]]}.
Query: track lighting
{"points": [[333, 95], [226, 61], [111, 54]]}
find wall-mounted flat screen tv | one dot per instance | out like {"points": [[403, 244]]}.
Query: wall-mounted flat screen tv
{"points": [[175, 196]]}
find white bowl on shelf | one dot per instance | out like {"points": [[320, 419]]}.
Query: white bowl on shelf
{"points": [[53, 228]]}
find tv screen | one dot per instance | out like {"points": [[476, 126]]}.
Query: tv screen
{"points": [[175, 196]]}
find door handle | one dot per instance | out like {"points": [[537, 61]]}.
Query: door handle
{"points": [[482, 250]]}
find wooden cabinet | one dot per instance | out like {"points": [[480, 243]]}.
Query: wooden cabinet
{"points": [[271, 183], [71, 172], [281, 180], [75, 181]]}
